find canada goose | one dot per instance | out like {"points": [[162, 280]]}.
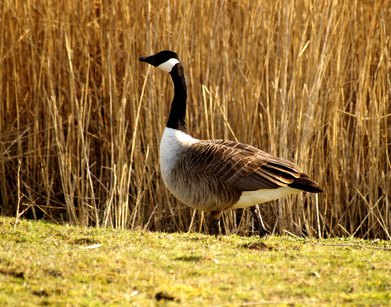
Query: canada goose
{"points": [[217, 175]]}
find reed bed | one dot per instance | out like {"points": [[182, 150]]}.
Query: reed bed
{"points": [[81, 118]]}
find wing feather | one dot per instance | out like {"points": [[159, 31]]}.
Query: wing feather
{"points": [[244, 167]]}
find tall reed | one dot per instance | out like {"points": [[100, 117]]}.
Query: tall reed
{"points": [[81, 119]]}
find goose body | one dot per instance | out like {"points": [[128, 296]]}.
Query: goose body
{"points": [[217, 175]]}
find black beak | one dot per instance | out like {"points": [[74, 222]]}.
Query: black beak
{"points": [[148, 59]]}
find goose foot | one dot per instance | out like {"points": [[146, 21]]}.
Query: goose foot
{"points": [[215, 223], [258, 222]]}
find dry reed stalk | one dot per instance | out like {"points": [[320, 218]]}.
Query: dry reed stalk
{"points": [[308, 81]]}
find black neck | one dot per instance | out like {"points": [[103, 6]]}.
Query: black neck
{"points": [[176, 119]]}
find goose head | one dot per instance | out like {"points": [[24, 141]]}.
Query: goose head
{"points": [[164, 60]]}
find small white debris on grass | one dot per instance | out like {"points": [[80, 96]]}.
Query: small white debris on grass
{"points": [[134, 293], [97, 245], [315, 274]]}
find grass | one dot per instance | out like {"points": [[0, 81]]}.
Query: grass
{"points": [[43, 263], [81, 118]]}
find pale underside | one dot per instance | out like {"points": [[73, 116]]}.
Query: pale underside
{"points": [[251, 198]]}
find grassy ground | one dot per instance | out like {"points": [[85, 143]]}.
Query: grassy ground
{"points": [[42, 263]]}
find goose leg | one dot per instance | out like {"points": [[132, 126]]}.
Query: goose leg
{"points": [[215, 223], [258, 222]]}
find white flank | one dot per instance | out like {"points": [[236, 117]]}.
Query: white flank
{"points": [[172, 144], [251, 198], [168, 65]]}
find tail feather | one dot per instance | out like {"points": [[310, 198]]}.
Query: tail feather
{"points": [[306, 184]]}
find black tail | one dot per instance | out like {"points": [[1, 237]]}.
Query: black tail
{"points": [[306, 184]]}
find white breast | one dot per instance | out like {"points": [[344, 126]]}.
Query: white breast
{"points": [[171, 146]]}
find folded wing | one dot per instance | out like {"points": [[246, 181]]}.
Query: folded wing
{"points": [[245, 167]]}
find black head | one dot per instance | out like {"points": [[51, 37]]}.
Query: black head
{"points": [[164, 60]]}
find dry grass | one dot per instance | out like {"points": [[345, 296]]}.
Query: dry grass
{"points": [[81, 119]]}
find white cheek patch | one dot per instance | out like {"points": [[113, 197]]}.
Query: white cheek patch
{"points": [[168, 65]]}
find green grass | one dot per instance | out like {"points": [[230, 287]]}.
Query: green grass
{"points": [[42, 263]]}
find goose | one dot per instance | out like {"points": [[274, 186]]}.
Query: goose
{"points": [[218, 175]]}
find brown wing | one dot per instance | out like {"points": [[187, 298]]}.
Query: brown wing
{"points": [[244, 167]]}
